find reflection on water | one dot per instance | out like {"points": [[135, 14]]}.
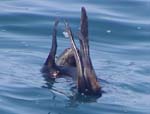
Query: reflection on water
{"points": [[119, 46], [74, 98]]}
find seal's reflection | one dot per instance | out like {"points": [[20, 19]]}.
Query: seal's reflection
{"points": [[74, 99]]}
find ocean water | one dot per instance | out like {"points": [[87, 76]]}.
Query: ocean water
{"points": [[119, 33]]}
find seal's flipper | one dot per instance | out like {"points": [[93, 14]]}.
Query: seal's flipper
{"points": [[75, 50], [83, 34], [82, 81], [50, 66], [89, 71], [50, 61]]}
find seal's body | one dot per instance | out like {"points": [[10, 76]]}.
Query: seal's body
{"points": [[66, 58], [74, 62]]}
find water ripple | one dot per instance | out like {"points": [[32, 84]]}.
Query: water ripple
{"points": [[119, 33]]}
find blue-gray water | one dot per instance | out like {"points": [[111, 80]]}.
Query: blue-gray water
{"points": [[120, 52]]}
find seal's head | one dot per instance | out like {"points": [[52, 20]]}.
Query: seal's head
{"points": [[54, 74]]}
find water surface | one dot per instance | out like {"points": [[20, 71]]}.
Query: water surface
{"points": [[119, 33]]}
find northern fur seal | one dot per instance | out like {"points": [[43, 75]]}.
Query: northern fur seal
{"points": [[73, 61]]}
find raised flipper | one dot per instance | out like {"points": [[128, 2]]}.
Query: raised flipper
{"points": [[81, 83], [89, 71], [50, 66], [84, 81], [50, 61], [75, 50], [84, 41], [62, 65]]}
